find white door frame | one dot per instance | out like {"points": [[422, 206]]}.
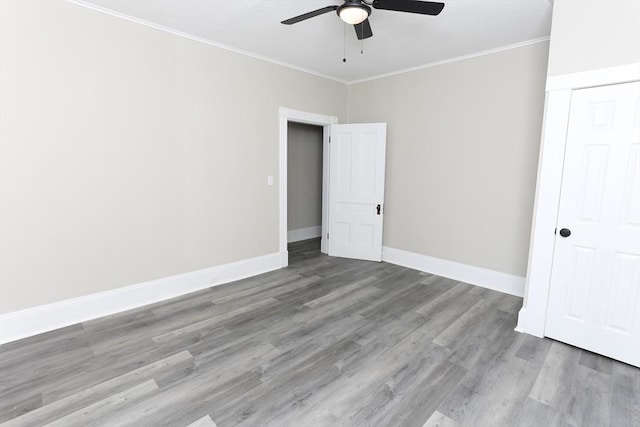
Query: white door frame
{"points": [[533, 315], [287, 115]]}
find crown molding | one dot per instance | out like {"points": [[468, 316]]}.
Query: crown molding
{"points": [[454, 59], [120, 15], [200, 39]]}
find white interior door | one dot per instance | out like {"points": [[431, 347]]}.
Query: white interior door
{"points": [[594, 299], [356, 190]]}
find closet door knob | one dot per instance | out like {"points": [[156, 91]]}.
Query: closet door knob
{"points": [[565, 232]]}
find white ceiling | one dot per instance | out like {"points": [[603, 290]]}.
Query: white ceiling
{"points": [[400, 40]]}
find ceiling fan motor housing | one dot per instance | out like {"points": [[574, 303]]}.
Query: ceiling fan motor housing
{"points": [[355, 5]]}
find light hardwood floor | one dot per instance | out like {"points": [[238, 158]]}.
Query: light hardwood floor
{"points": [[325, 342]]}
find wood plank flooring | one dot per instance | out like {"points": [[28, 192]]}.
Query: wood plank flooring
{"points": [[324, 342]]}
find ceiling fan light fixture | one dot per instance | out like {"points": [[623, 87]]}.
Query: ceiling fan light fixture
{"points": [[353, 12]]}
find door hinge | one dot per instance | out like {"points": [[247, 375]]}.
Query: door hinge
{"points": [[327, 236], [555, 230], [329, 140]]}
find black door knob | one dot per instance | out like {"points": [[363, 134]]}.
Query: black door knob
{"points": [[565, 232]]}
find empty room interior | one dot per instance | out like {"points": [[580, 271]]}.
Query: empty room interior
{"points": [[245, 213]]}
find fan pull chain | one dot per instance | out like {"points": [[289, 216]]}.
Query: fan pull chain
{"points": [[344, 49]]}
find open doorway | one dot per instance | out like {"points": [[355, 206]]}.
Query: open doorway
{"points": [[287, 117], [304, 184]]}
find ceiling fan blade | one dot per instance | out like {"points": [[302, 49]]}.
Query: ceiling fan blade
{"points": [[363, 30], [308, 15], [412, 6]]}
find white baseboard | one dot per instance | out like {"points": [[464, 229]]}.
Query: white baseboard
{"points": [[36, 320], [304, 233], [523, 326], [522, 320], [490, 279]]}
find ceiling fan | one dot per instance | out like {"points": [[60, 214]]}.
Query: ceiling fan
{"points": [[356, 12]]}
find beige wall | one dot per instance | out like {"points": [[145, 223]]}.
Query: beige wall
{"points": [[126, 154], [462, 151], [588, 35], [129, 154], [304, 176]]}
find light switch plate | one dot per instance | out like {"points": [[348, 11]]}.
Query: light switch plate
{"points": [[270, 180]]}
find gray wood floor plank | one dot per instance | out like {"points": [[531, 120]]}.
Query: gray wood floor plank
{"points": [[465, 325], [127, 334], [62, 354], [213, 322], [590, 399], [493, 391], [345, 395], [90, 395], [173, 406], [597, 362], [39, 342], [625, 401], [555, 380], [357, 287], [201, 390], [535, 414], [317, 333], [310, 375], [454, 292], [243, 284], [265, 290], [324, 342], [41, 347], [18, 404], [96, 370], [195, 340], [183, 304], [416, 396], [505, 302], [390, 332], [93, 414], [533, 349], [497, 331], [408, 300], [66, 378]]}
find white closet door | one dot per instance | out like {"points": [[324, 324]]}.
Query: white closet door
{"points": [[356, 190], [594, 300]]}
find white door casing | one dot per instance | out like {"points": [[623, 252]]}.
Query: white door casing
{"points": [[594, 299], [286, 115], [356, 190]]}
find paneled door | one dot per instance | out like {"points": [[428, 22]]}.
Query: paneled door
{"points": [[594, 300], [356, 190]]}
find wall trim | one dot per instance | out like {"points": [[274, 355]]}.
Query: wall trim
{"points": [[545, 212], [522, 320], [198, 39], [44, 318], [454, 59], [490, 279], [600, 77], [304, 233], [159, 27]]}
